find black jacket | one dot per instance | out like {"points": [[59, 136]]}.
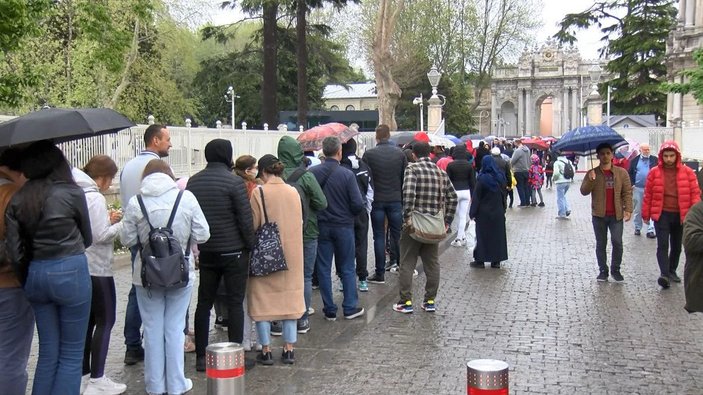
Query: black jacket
{"points": [[343, 197], [362, 173], [63, 229], [387, 163], [223, 198], [632, 171]]}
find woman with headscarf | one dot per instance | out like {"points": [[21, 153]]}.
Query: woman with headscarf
{"points": [[488, 210], [463, 177]]}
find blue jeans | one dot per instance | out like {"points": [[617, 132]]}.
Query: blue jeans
{"points": [[523, 187], [60, 293], [337, 241], [601, 226], [380, 211], [17, 329], [290, 331], [309, 258], [163, 313], [637, 198], [132, 319], [562, 203]]}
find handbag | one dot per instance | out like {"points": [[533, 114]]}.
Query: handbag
{"points": [[267, 256], [428, 228]]}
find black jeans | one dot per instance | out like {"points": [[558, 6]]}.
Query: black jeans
{"points": [[361, 244], [601, 226], [234, 267], [669, 235]]}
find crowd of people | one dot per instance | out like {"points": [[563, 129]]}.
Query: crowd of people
{"points": [[56, 262]]}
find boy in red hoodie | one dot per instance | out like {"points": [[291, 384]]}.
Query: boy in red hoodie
{"points": [[670, 191]]}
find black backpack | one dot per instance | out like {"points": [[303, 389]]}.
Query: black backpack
{"points": [[568, 170], [164, 266], [292, 180]]}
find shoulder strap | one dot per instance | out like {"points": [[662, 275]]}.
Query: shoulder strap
{"points": [[295, 176], [263, 204], [143, 208], [173, 211]]}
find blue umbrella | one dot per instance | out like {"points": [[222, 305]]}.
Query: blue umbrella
{"points": [[452, 138], [584, 140]]}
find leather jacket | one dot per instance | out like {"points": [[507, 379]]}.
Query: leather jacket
{"points": [[63, 228]]}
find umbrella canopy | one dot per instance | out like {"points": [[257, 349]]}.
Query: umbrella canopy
{"points": [[311, 139], [467, 137], [584, 140], [628, 151], [62, 124], [452, 138], [403, 138], [537, 144], [440, 141]]}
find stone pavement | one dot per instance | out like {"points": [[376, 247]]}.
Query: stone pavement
{"points": [[543, 313]]}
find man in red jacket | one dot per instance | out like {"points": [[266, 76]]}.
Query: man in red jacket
{"points": [[670, 191]]}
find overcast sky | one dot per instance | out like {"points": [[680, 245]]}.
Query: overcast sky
{"points": [[552, 13]]}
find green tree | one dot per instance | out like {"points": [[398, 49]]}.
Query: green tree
{"points": [[636, 46], [694, 82]]}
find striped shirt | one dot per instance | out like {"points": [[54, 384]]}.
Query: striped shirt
{"points": [[426, 188]]}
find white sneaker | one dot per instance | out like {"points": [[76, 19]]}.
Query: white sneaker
{"points": [[104, 386], [311, 311], [397, 270], [456, 243], [84, 382]]}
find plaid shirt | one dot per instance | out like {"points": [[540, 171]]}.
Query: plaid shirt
{"points": [[426, 188]]}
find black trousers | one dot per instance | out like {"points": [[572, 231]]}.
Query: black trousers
{"points": [[669, 236], [234, 268], [361, 244]]}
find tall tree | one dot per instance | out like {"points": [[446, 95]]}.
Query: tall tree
{"points": [[694, 79], [387, 89], [636, 47]]}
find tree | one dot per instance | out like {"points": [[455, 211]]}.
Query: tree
{"points": [[636, 46], [694, 83], [388, 90]]}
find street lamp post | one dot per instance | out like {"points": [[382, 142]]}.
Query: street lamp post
{"points": [[230, 96], [419, 101], [594, 105], [434, 108]]}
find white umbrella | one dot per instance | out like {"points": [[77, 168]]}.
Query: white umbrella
{"points": [[436, 140]]}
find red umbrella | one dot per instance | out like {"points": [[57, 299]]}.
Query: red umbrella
{"points": [[311, 139], [537, 143]]}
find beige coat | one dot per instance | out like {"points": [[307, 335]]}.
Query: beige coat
{"points": [[279, 296], [623, 192]]}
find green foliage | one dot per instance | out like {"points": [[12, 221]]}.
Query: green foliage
{"points": [[694, 80], [636, 47]]}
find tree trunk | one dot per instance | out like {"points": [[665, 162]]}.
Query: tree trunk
{"points": [[387, 89], [302, 59], [269, 113], [131, 58]]}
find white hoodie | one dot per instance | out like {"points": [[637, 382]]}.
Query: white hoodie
{"points": [[159, 192], [100, 253]]}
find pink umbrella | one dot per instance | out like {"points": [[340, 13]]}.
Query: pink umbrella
{"points": [[628, 151], [311, 139]]}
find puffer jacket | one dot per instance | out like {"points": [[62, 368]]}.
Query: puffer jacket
{"points": [[159, 192], [100, 253], [686, 183]]}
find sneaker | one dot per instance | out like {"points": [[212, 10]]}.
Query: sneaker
{"points": [[638, 232], [363, 286], [651, 235], [303, 326], [311, 311], [541, 204], [376, 279], [189, 345], [568, 212], [276, 328], [133, 356], [189, 386], [316, 286], [458, 242], [330, 317], [200, 364], [617, 277], [663, 282], [602, 277], [404, 307], [396, 270], [358, 312], [288, 357], [104, 386], [221, 324], [85, 379], [390, 265], [674, 277], [429, 306], [477, 265], [265, 358]]}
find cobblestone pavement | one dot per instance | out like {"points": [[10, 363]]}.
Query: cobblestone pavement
{"points": [[543, 313]]}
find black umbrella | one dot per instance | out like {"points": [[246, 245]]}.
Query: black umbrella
{"points": [[62, 124], [403, 138]]}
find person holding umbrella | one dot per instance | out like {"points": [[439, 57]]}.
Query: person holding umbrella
{"points": [[611, 202]]}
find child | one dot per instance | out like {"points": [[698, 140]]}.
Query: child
{"points": [[549, 169], [536, 179]]}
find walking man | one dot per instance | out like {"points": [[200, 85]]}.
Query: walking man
{"points": [[670, 191], [562, 184], [426, 189], [639, 169], [157, 141], [520, 164], [611, 202], [387, 163], [336, 224], [223, 198]]}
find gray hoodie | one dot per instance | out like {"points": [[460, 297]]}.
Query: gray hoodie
{"points": [[159, 192], [520, 162], [100, 253]]}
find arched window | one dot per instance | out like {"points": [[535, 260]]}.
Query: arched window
{"points": [[350, 108], [334, 108]]}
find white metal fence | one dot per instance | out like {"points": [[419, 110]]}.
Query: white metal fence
{"points": [[691, 144]]}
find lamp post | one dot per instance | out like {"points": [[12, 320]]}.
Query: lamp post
{"points": [[230, 96], [594, 73], [419, 101], [434, 108], [594, 104]]}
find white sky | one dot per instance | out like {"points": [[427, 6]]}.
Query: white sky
{"points": [[552, 13]]}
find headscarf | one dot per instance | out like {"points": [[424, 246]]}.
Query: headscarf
{"points": [[490, 175]]}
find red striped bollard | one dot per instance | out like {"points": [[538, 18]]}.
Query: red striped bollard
{"points": [[486, 377], [225, 369]]}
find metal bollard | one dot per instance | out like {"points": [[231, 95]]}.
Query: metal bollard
{"points": [[225, 369], [486, 377]]}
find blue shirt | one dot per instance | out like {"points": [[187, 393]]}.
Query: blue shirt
{"points": [[131, 176], [642, 172]]}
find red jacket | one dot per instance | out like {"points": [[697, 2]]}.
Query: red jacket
{"points": [[686, 183]]}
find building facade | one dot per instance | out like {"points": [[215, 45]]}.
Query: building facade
{"points": [[353, 97]]}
